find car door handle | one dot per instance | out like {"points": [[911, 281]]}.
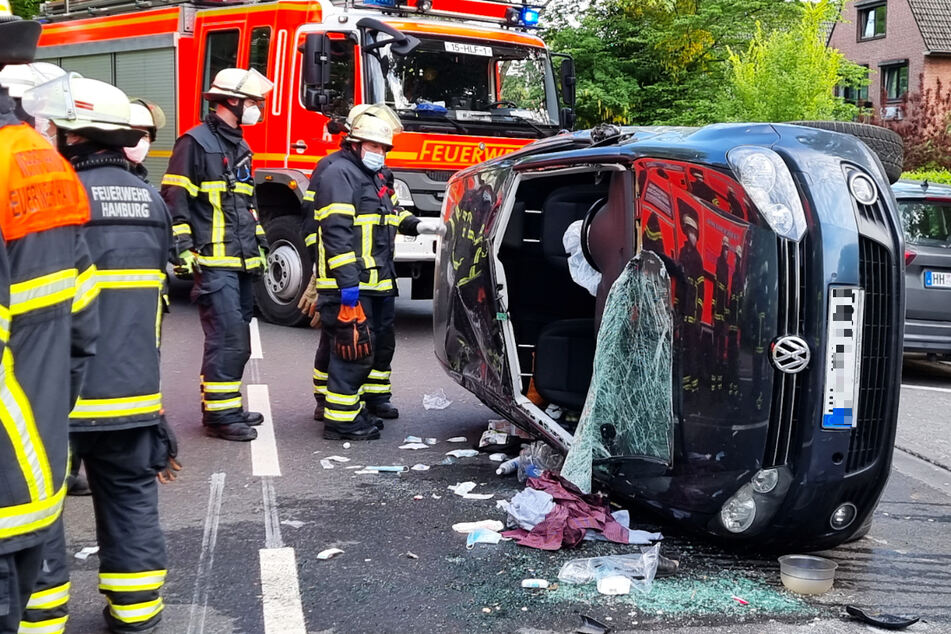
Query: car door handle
{"points": [[300, 146]]}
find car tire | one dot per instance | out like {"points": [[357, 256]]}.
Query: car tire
{"points": [[290, 266], [886, 144]]}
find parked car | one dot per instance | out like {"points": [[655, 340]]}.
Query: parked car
{"points": [[737, 366], [926, 217]]}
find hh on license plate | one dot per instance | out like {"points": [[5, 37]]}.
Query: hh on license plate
{"points": [[937, 279], [842, 357]]}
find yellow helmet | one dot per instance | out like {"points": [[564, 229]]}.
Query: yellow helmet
{"points": [[376, 123]]}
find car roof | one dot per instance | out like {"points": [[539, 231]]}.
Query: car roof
{"points": [[907, 188]]}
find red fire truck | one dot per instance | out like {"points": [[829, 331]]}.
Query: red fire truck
{"points": [[468, 78]]}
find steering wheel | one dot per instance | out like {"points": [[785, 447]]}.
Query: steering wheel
{"points": [[504, 102]]}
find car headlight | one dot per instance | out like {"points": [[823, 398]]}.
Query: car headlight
{"points": [[403, 195], [738, 513], [769, 184]]}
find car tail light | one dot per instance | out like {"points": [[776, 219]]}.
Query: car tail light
{"points": [[910, 256]]}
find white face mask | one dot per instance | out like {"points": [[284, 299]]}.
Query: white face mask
{"points": [[251, 115], [138, 153]]}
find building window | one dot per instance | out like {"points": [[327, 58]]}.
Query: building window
{"points": [[872, 22], [895, 82], [260, 45], [856, 94]]}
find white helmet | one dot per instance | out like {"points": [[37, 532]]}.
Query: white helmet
{"points": [[146, 115], [239, 83], [90, 107], [20, 77], [376, 123]]}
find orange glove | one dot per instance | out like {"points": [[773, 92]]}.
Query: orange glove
{"points": [[352, 338]]}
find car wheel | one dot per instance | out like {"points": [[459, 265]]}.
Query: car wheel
{"points": [[289, 267], [886, 144]]}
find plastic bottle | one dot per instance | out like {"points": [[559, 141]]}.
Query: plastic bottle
{"points": [[508, 467]]}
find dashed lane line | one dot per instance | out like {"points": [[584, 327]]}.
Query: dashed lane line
{"points": [[280, 592], [927, 388], [206, 560], [257, 352], [264, 459]]}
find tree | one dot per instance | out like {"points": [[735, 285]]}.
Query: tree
{"points": [[926, 129], [790, 75], [25, 8], [656, 61]]}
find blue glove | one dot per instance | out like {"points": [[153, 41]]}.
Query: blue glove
{"points": [[350, 296]]}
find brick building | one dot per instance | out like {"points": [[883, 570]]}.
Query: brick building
{"points": [[898, 41]]}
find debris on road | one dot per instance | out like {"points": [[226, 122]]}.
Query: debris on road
{"points": [[388, 469], [591, 626], [463, 453], [498, 457], [456, 439], [417, 497], [420, 467], [614, 585], [292, 523], [412, 439], [878, 619], [535, 584], [528, 508], [83, 554], [468, 527], [638, 568], [448, 460], [508, 467], [739, 600], [330, 552], [537, 458], [482, 536], [412, 555], [346, 445], [431, 441], [414, 445], [464, 490], [328, 462], [436, 400]]}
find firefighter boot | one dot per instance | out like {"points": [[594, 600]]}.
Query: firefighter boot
{"points": [[239, 432], [253, 419], [319, 409], [384, 409], [360, 429]]}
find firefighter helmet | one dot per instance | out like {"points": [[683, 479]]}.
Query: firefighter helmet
{"points": [[239, 83], [375, 124], [18, 37], [89, 107], [18, 78], [146, 115]]}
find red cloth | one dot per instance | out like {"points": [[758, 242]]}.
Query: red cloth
{"points": [[574, 514]]}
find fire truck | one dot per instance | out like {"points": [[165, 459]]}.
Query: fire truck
{"points": [[468, 78]]}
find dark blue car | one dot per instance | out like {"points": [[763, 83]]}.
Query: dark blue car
{"points": [[721, 307]]}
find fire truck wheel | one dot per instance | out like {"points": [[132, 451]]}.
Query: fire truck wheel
{"points": [[885, 143], [288, 271]]}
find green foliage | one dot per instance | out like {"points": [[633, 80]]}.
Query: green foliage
{"points": [[25, 8], [789, 75], [932, 176], [656, 61]]}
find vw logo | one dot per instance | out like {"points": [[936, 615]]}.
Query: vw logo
{"points": [[790, 354]]}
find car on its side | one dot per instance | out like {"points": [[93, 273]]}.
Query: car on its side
{"points": [[926, 217], [736, 369]]}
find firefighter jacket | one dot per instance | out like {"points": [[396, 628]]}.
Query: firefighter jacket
{"points": [[209, 191], [128, 236], [48, 326], [356, 220]]}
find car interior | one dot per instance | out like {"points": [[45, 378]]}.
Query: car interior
{"points": [[554, 318]]}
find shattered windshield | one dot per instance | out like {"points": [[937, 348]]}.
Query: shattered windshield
{"points": [[467, 84]]}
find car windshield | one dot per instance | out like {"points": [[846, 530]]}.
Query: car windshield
{"points": [[467, 85], [926, 222]]}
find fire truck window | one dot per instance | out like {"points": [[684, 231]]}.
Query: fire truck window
{"points": [[221, 51], [342, 74], [260, 46]]}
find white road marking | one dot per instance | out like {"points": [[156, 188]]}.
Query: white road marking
{"points": [[280, 590], [196, 615], [257, 352], [927, 388], [272, 524], [264, 460]]}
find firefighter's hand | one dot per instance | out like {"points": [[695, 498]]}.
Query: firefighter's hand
{"points": [[169, 473], [431, 226], [263, 253], [166, 465], [308, 302], [186, 264]]}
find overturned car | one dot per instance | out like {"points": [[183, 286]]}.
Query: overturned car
{"points": [[721, 306]]}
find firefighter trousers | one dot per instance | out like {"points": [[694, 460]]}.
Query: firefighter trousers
{"points": [[121, 466], [225, 305], [376, 389], [18, 573]]}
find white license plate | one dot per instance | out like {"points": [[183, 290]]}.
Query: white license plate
{"points": [[468, 49], [843, 356], [937, 279]]}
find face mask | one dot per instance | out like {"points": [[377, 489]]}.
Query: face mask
{"points": [[251, 115], [373, 161], [44, 127], [138, 153]]}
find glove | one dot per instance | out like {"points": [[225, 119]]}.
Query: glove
{"points": [[350, 296], [186, 264], [263, 253], [431, 226], [352, 334], [167, 473], [308, 302]]}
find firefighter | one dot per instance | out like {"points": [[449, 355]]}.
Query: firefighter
{"points": [[48, 329], [356, 218], [149, 118], [210, 192], [115, 423], [721, 316], [692, 307]]}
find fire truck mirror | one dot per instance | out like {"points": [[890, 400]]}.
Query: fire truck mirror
{"points": [[568, 81], [316, 65]]}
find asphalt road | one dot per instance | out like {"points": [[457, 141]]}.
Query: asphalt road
{"points": [[245, 522]]}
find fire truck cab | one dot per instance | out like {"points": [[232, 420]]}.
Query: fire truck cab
{"points": [[468, 78]]}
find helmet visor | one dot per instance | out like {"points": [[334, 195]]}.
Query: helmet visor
{"points": [[51, 100], [254, 85]]}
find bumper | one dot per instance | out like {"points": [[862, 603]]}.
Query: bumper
{"points": [[927, 336]]}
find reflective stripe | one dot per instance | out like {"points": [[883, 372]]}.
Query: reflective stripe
{"points": [[116, 407], [218, 406], [50, 626], [380, 375], [27, 518], [311, 239], [221, 387], [367, 219], [180, 181], [132, 581], [259, 230], [135, 612], [50, 598], [341, 416], [42, 292], [320, 376], [86, 289], [16, 416], [4, 324], [343, 399], [320, 389], [367, 247], [328, 283], [321, 256], [217, 224], [377, 388], [394, 221], [244, 188], [309, 196], [404, 215], [394, 199], [130, 278], [335, 208], [182, 229], [228, 260], [214, 186], [342, 260]]}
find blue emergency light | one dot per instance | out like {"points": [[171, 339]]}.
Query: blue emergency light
{"points": [[529, 16]]}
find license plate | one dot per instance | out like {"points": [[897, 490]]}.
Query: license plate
{"points": [[843, 356], [937, 279], [468, 49]]}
